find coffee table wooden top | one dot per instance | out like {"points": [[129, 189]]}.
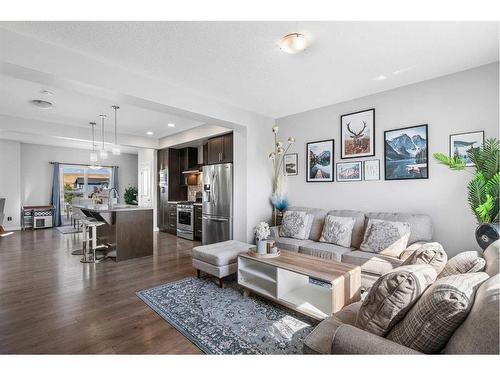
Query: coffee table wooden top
{"points": [[318, 268]]}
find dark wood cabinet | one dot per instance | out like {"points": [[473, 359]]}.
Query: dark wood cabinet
{"points": [[220, 149], [198, 222], [171, 218]]}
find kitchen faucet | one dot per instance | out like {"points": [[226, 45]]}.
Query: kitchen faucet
{"points": [[110, 204]]}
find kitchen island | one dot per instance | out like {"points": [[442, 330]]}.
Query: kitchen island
{"points": [[128, 230]]}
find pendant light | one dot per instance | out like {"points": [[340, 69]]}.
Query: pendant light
{"points": [[115, 150], [103, 153], [93, 154]]}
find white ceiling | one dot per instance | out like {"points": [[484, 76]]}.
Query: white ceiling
{"points": [[75, 109], [239, 63]]}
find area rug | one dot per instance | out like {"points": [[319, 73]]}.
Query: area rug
{"points": [[222, 321], [68, 230]]}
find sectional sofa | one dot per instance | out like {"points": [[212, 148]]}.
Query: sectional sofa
{"points": [[372, 265]]}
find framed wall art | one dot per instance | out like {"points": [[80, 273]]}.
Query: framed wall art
{"points": [[349, 171], [291, 165], [371, 170], [460, 143], [319, 161], [357, 134]]}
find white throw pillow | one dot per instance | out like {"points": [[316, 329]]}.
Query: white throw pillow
{"points": [[337, 230], [386, 237], [296, 224]]}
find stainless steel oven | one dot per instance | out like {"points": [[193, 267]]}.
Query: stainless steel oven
{"points": [[185, 220]]}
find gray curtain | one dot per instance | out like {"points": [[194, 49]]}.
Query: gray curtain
{"points": [[56, 196], [114, 179]]}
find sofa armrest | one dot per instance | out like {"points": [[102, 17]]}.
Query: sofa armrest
{"points": [[348, 339], [275, 232]]}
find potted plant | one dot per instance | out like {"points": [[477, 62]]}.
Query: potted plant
{"points": [[261, 232], [483, 195], [278, 197], [130, 195]]}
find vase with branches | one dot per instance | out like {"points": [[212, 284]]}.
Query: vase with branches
{"points": [[278, 197], [483, 194]]}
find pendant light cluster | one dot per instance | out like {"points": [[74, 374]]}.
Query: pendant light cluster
{"points": [[103, 153]]}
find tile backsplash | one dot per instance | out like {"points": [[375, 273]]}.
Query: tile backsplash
{"points": [[193, 189]]}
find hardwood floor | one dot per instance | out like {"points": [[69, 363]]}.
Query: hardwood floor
{"points": [[50, 303]]}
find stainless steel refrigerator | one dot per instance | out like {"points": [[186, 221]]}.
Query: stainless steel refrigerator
{"points": [[217, 218]]}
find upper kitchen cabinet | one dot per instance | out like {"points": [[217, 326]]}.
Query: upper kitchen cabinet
{"points": [[188, 158], [220, 149]]}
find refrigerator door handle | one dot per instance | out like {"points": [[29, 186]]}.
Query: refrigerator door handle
{"points": [[222, 219]]}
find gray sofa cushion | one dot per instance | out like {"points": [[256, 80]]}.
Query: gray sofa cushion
{"points": [[492, 257], [434, 318], [467, 261], [319, 218], [392, 295], [431, 253], [371, 262], [324, 250], [420, 225], [479, 333], [359, 224], [291, 244]]}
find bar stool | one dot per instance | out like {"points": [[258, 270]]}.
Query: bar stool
{"points": [[89, 226]]}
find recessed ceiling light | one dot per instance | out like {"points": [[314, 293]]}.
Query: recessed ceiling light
{"points": [[42, 104], [380, 78], [46, 92], [171, 125], [293, 43], [149, 133]]}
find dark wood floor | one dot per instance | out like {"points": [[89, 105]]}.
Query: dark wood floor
{"points": [[52, 303]]}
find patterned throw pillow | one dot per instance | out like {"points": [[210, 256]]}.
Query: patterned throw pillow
{"points": [[337, 230], [468, 261], [386, 237], [296, 224], [392, 295], [437, 314], [431, 253]]}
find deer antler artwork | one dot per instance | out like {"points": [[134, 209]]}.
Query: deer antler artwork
{"points": [[356, 136]]}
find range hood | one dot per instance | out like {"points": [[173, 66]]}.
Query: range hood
{"points": [[197, 168]]}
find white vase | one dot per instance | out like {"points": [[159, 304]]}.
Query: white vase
{"points": [[261, 246]]}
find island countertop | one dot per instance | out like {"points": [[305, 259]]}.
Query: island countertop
{"points": [[114, 208]]}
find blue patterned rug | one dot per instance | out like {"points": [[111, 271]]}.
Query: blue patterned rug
{"points": [[222, 321]]}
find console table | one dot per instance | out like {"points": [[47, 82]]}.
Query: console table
{"points": [[312, 286]]}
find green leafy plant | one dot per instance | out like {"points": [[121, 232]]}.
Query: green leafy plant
{"points": [[130, 195], [483, 195]]}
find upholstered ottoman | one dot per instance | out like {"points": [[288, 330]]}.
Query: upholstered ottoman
{"points": [[219, 259]]}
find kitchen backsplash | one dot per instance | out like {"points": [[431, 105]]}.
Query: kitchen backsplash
{"points": [[193, 189]]}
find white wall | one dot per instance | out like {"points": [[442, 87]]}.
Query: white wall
{"points": [[10, 182], [36, 172], [456, 103]]}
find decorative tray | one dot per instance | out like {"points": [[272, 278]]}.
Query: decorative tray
{"points": [[254, 253]]}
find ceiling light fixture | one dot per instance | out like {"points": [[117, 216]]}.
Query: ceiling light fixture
{"points": [[93, 154], [380, 78], [103, 153], [171, 125], [293, 43], [115, 150], [149, 133], [42, 104]]}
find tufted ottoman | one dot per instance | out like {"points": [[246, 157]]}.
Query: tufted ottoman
{"points": [[219, 259]]}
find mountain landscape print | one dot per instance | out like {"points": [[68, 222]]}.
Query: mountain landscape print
{"points": [[320, 161], [406, 153]]}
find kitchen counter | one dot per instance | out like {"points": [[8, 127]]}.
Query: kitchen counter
{"points": [[128, 229]]}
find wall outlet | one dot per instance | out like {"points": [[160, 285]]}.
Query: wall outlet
{"points": [[9, 218]]}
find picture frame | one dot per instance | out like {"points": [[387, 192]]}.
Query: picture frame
{"points": [[357, 134], [371, 170], [460, 142], [349, 171], [406, 153], [320, 160], [291, 164]]}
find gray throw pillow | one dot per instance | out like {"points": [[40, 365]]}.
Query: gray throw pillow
{"points": [[468, 261], [296, 224], [434, 318], [386, 237], [391, 296], [431, 253], [337, 230]]}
